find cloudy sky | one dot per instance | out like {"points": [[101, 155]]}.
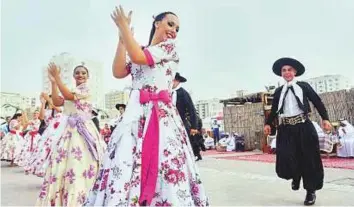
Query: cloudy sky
{"points": [[224, 47]]}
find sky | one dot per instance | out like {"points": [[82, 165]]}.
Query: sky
{"points": [[224, 46]]}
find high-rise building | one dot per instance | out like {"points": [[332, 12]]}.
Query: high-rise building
{"points": [[209, 108], [28, 102], [16, 100], [114, 97], [67, 63], [329, 83]]}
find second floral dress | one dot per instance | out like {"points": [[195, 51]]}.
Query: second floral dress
{"points": [[74, 164], [55, 125]]}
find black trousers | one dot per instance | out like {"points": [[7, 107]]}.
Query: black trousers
{"points": [[194, 140], [196, 144], [298, 155]]}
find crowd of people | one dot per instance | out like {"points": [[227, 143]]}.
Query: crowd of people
{"points": [[143, 157], [147, 155]]}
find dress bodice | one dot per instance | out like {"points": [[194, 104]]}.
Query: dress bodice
{"points": [[158, 75], [34, 125], [81, 104]]}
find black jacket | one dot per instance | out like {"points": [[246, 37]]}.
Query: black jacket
{"points": [[200, 124], [97, 123], [308, 93], [185, 106]]}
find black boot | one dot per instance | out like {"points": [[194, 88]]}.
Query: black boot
{"points": [[295, 184], [202, 146], [310, 198], [199, 157]]}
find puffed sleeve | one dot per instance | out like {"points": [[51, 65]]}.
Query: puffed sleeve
{"points": [[162, 53]]}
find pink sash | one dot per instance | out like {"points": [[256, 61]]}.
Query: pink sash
{"points": [[150, 148], [33, 135]]}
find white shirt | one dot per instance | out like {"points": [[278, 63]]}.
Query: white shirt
{"points": [[174, 94], [209, 142], [215, 125], [291, 108], [348, 129]]}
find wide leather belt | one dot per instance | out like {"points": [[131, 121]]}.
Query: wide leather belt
{"points": [[301, 118]]}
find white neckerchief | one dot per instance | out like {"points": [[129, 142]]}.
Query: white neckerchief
{"points": [[174, 94], [297, 89]]}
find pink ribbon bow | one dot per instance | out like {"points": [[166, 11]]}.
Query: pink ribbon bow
{"points": [[33, 135], [150, 148]]}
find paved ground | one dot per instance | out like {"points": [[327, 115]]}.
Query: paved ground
{"points": [[228, 183]]}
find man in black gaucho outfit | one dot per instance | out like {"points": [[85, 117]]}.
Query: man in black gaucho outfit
{"points": [[298, 154], [185, 106]]}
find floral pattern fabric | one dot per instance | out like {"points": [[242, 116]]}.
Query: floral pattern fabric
{"points": [[47, 144], [30, 142], [12, 142], [119, 178], [71, 169]]}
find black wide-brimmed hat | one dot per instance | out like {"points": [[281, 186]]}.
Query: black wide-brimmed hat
{"points": [[299, 67], [120, 105], [95, 111], [180, 78]]}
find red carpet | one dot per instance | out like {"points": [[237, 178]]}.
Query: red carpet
{"points": [[214, 152], [269, 158]]}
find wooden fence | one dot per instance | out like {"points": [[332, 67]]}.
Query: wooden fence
{"points": [[339, 104], [246, 120]]}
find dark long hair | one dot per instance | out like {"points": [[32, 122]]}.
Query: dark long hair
{"points": [[16, 116], [81, 66], [157, 19]]}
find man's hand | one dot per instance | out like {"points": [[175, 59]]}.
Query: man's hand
{"points": [[326, 125], [267, 129], [194, 132]]}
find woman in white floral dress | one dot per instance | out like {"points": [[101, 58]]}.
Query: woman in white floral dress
{"points": [[149, 160], [31, 140], [54, 124], [11, 144], [73, 166]]}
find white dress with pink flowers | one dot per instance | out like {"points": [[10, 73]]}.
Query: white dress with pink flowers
{"points": [[124, 178], [31, 140], [56, 123], [12, 142]]}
